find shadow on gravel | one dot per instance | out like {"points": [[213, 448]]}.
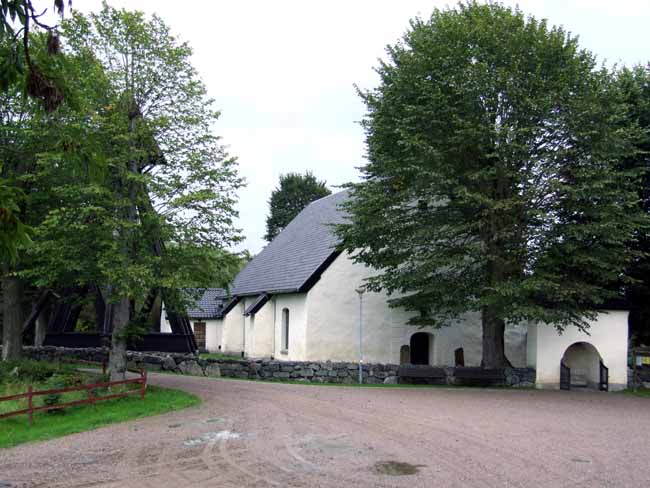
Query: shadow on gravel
{"points": [[394, 468]]}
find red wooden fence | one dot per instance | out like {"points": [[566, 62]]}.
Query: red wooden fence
{"points": [[92, 399]]}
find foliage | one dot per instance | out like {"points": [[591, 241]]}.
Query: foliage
{"points": [[55, 382], [294, 193], [18, 21], [182, 190], [29, 371], [493, 183], [635, 84], [15, 430], [13, 232], [124, 183]]}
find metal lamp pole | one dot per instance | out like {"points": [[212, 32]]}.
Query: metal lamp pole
{"points": [[360, 291]]}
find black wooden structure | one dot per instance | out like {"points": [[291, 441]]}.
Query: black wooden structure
{"points": [[479, 377], [603, 385], [421, 374], [66, 308], [565, 376]]}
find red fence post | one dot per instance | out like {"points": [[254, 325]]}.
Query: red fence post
{"points": [[143, 386], [91, 397], [30, 404]]}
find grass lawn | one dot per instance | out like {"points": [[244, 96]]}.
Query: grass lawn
{"points": [[641, 392], [16, 430], [217, 355]]}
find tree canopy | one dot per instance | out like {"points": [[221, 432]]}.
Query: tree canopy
{"points": [[494, 182], [294, 193], [635, 85], [125, 184]]}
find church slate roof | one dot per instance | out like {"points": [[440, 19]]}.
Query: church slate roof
{"points": [[298, 255], [210, 305]]}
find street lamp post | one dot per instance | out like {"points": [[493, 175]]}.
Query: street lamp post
{"points": [[360, 291]]}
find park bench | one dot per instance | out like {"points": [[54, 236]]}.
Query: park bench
{"points": [[414, 373], [479, 377]]}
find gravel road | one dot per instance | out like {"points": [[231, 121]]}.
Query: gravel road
{"points": [[248, 434]]}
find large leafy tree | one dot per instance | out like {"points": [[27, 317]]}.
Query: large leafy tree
{"points": [[36, 148], [171, 184], [294, 193], [493, 182], [141, 191], [17, 150], [635, 84]]}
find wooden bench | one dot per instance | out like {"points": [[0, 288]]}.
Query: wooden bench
{"points": [[479, 377], [414, 373]]}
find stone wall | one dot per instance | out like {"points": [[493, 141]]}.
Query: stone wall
{"points": [[259, 369]]}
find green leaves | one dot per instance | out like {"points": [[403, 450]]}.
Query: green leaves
{"points": [[14, 234], [494, 179]]}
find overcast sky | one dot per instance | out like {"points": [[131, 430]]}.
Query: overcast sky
{"points": [[282, 73]]}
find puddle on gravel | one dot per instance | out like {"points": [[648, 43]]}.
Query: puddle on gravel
{"points": [[395, 468], [82, 460], [578, 460], [222, 435], [5, 484], [214, 420]]}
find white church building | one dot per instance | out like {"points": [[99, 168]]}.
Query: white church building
{"points": [[297, 301]]}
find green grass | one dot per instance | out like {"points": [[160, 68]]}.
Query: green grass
{"points": [[16, 430], [641, 392], [217, 355]]}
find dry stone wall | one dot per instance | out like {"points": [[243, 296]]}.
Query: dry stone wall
{"points": [[258, 369]]}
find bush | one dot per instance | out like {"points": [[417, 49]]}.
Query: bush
{"points": [[30, 371], [55, 382]]}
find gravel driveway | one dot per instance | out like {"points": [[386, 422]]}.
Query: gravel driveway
{"points": [[249, 434]]}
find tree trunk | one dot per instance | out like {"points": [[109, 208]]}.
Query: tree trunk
{"points": [[40, 329], [122, 309], [44, 302], [12, 318], [494, 354], [117, 356]]}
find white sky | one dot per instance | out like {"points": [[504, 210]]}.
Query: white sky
{"points": [[282, 73]]}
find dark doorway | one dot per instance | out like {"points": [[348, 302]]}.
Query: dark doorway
{"points": [[405, 354], [420, 348], [199, 333], [459, 357]]}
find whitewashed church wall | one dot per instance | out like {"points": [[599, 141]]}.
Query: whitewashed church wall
{"points": [[333, 325], [296, 304], [232, 339]]}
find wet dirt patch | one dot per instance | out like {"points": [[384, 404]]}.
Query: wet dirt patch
{"points": [[82, 460], [579, 460], [396, 468], [214, 420], [222, 435]]}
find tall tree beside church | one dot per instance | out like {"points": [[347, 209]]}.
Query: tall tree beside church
{"points": [[167, 178], [635, 84], [39, 151], [294, 193], [492, 184]]}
